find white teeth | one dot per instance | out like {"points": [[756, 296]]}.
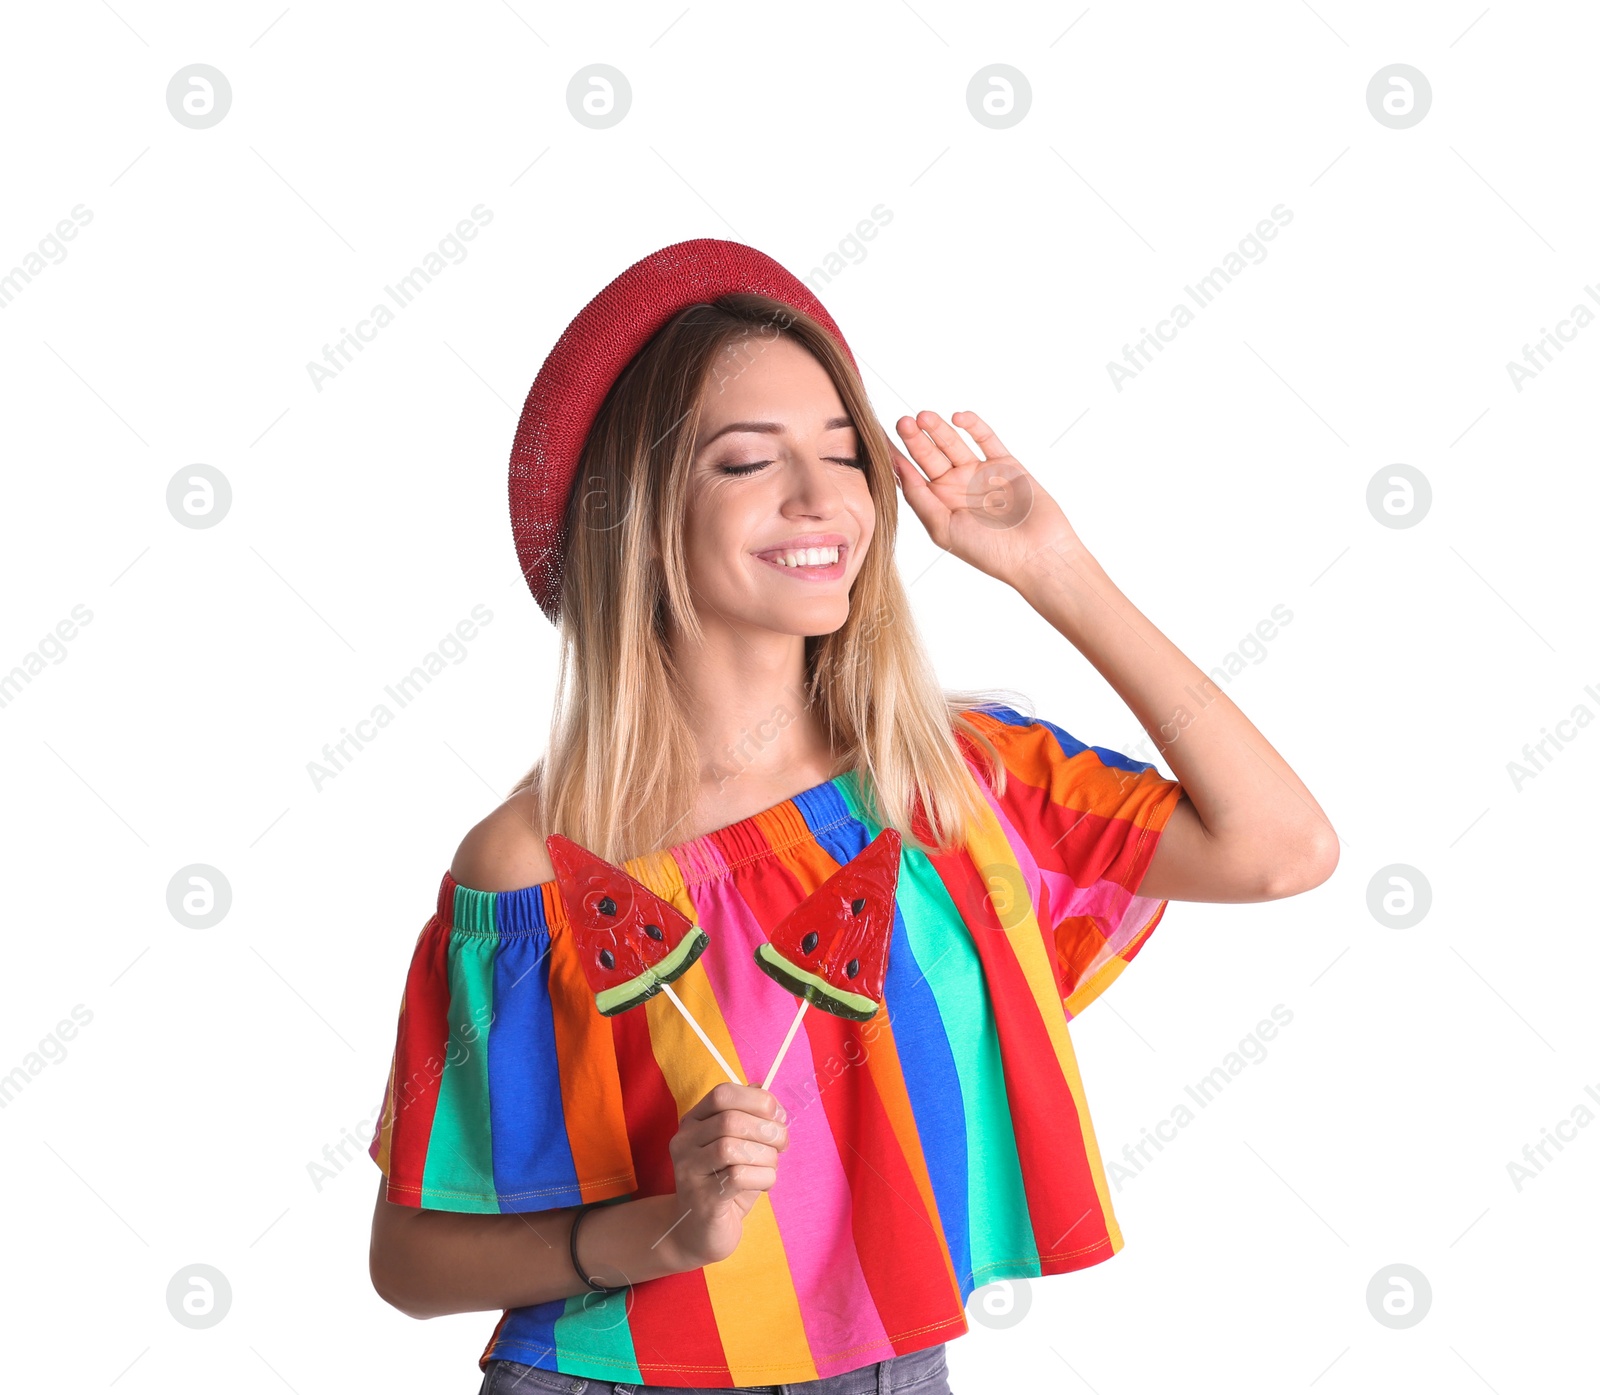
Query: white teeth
{"points": [[807, 557]]}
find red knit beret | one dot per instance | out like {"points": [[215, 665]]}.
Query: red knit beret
{"points": [[591, 353]]}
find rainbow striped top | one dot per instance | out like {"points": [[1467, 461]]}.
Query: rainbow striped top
{"points": [[944, 1144]]}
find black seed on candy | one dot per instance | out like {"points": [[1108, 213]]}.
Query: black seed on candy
{"points": [[607, 907], [852, 968], [857, 905], [607, 959], [809, 943], [654, 932]]}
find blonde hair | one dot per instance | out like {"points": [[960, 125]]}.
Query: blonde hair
{"points": [[622, 770]]}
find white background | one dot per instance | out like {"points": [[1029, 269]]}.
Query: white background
{"points": [[369, 518]]}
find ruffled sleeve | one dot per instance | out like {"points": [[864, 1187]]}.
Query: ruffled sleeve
{"points": [[1090, 818], [503, 1091]]}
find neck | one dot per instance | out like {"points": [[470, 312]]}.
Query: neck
{"points": [[746, 694]]}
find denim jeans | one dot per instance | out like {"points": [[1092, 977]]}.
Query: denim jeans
{"points": [[918, 1373]]}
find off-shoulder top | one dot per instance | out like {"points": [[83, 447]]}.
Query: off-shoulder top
{"points": [[942, 1145]]}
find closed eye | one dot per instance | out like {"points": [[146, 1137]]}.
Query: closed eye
{"points": [[854, 461]]}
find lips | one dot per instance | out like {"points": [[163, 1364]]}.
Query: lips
{"points": [[804, 540], [775, 557]]}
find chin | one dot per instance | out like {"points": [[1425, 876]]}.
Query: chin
{"points": [[821, 616]]}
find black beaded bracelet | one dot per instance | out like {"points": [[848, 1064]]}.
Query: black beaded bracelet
{"points": [[595, 1287]]}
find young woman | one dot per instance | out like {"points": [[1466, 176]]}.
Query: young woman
{"points": [[705, 503]]}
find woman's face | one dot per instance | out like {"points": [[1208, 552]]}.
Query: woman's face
{"points": [[780, 515]]}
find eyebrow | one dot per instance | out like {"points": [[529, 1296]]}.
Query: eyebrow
{"points": [[770, 428]]}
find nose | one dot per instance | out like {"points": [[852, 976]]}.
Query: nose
{"points": [[813, 492]]}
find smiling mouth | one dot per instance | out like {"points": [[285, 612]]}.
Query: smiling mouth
{"points": [[808, 563]]}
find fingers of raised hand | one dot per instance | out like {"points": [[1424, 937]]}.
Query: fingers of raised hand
{"points": [[981, 432], [921, 434], [938, 446], [950, 441], [896, 455]]}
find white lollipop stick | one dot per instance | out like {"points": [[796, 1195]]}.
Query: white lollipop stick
{"points": [[783, 1050], [700, 1032]]}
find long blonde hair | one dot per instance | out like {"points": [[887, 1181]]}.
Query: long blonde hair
{"points": [[622, 770]]}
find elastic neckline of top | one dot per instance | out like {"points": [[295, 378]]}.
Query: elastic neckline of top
{"points": [[673, 870], [710, 857]]}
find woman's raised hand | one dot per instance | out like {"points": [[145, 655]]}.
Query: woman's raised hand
{"points": [[724, 1155], [986, 508]]}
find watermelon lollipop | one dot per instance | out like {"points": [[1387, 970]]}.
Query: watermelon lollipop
{"points": [[833, 948], [631, 943]]}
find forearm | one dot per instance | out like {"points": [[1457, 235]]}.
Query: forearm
{"points": [[1242, 790], [431, 1263]]}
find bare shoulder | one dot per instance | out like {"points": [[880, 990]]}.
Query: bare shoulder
{"points": [[505, 851]]}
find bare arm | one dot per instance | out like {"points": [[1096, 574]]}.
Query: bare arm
{"points": [[724, 1157], [430, 1263], [1248, 828]]}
